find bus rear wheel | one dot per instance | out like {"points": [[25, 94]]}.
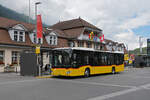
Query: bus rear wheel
{"points": [[113, 70], [87, 72]]}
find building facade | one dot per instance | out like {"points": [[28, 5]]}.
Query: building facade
{"points": [[16, 37]]}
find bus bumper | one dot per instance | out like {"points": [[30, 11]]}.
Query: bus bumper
{"points": [[66, 72]]}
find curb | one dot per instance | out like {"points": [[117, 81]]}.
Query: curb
{"points": [[39, 77]]}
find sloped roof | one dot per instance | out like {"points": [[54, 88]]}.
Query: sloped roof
{"points": [[8, 23], [60, 33], [73, 33], [74, 23], [5, 37], [107, 41]]}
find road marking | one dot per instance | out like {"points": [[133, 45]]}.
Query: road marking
{"points": [[107, 96], [111, 95], [12, 82], [147, 88], [95, 83]]}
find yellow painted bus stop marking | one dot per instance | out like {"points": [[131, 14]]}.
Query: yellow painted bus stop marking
{"points": [[44, 76]]}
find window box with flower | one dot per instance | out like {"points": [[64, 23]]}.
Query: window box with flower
{"points": [[9, 68], [14, 63], [2, 63]]}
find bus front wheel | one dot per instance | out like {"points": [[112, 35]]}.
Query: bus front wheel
{"points": [[87, 72]]}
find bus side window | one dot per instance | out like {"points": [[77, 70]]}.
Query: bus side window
{"points": [[108, 59], [103, 58], [96, 60], [99, 59], [111, 59], [121, 59], [79, 59], [74, 60], [91, 58], [117, 59], [86, 59]]}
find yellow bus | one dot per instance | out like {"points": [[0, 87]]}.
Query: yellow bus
{"points": [[78, 61]]}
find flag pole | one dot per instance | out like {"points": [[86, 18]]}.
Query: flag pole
{"points": [[38, 54]]}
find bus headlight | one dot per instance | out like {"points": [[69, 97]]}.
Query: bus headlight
{"points": [[68, 72]]}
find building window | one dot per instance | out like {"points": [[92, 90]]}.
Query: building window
{"points": [[14, 57], [96, 46], [15, 35], [119, 48], [1, 57], [21, 37], [53, 40], [71, 44], [109, 47], [80, 44], [114, 47], [18, 36], [34, 38], [101, 47], [88, 44], [39, 40]]}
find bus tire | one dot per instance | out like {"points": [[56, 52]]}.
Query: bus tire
{"points": [[87, 72], [113, 70]]}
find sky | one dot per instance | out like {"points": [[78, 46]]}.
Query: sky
{"points": [[123, 21]]}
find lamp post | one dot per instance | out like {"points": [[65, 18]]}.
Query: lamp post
{"points": [[29, 13], [38, 56], [37, 3]]}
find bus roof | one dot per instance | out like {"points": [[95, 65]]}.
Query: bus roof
{"points": [[87, 49]]}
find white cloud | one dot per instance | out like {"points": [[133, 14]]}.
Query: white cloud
{"points": [[140, 20], [117, 18]]}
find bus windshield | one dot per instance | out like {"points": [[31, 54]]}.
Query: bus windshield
{"points": [[61, 59]]}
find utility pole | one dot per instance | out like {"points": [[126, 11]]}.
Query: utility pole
{"points": [[29, 12], [38, 55], [140, 44], [127, 49]]}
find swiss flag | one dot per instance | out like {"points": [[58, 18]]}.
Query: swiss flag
{"points": [[39, 27]]}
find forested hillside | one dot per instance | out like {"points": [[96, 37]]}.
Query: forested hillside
{"points": [[11, 14], [137, 51]]}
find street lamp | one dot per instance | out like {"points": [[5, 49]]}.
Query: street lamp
{"points": [[38, 56], [37, 3]]}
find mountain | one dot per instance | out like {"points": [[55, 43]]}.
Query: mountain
{"points": [[137, 51], [11, 14]]}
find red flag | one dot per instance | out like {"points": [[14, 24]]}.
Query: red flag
{"points": [[39, 26], [101, 38]]}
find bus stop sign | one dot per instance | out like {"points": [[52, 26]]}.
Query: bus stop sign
{"points": [[37, 50]]}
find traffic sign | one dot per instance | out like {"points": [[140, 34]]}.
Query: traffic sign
{"points": [[37, 50]]}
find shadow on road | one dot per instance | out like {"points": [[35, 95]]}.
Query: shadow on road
{"points": [[80, 77]]}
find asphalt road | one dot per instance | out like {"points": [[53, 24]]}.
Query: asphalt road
{"points": [[132, 84]]}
